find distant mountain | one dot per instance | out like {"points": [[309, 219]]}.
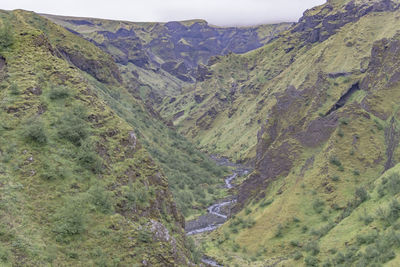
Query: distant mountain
{"points": [[167, 57]]}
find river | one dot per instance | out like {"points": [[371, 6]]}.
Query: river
{"points": [[219, 212]]}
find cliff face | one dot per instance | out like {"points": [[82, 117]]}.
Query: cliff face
{"points": [[77, 187], [305, 116]]}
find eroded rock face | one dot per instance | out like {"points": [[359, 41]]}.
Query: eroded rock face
{"points": [[290, 128], [176, 47], [103, 70], [3, 65], [320, 26]]}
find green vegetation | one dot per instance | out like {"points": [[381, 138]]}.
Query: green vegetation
{"points": [[76, 187], [58, 92], [328, 128], [34, 131], [6, 35], [87, 161]]}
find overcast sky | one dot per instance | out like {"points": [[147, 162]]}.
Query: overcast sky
{"points": [[218, 12]]}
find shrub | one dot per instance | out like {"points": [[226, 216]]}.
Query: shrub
{"points": [[195, 251], [266, 203], [58, 92], [361, 194], [145, 236], [366, 218], [14, 89], [378, 125], [335, 178], [318, 205], [344, 121], [137, 195], [340, 133], [73, 127], [52, 171], [6, 36], [235, 247], [70, 219], [332, 251], [101, 198], [367, 238], [311, 261], [279, 231], [335, 161], [35, 132], [394, 210], [294, 243], [88, 158], [390, 185], [296, 220], [297, 255], [312, 247], [4, 254], [323, 230]]}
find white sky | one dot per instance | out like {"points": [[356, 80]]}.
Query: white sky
{"points": [[218, 12]]}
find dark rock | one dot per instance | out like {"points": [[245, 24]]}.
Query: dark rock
{"points": [[198, 98], [335, 75], [343, 99], [178, 114]]}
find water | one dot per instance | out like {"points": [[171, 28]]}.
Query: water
{"points": [[228, 181], [209, 228], [211, 262], [216, 215]]}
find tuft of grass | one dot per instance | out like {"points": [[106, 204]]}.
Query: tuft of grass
{"points": [[335, 161], [6, 36], [34, 131], [58, 92], [70, 219]]}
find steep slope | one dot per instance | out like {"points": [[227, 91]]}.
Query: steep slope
{"points": [[77, 187], [325, 95], [166, 57], [193, 177], [222, 113]]}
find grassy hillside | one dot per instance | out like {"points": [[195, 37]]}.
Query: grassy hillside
{"points": [[77, 187], [315, 110], [193, 178], [362, 232], [222, 113], [324, 100]]}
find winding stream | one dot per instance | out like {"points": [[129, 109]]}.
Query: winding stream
{"points": [[219, 212]]}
